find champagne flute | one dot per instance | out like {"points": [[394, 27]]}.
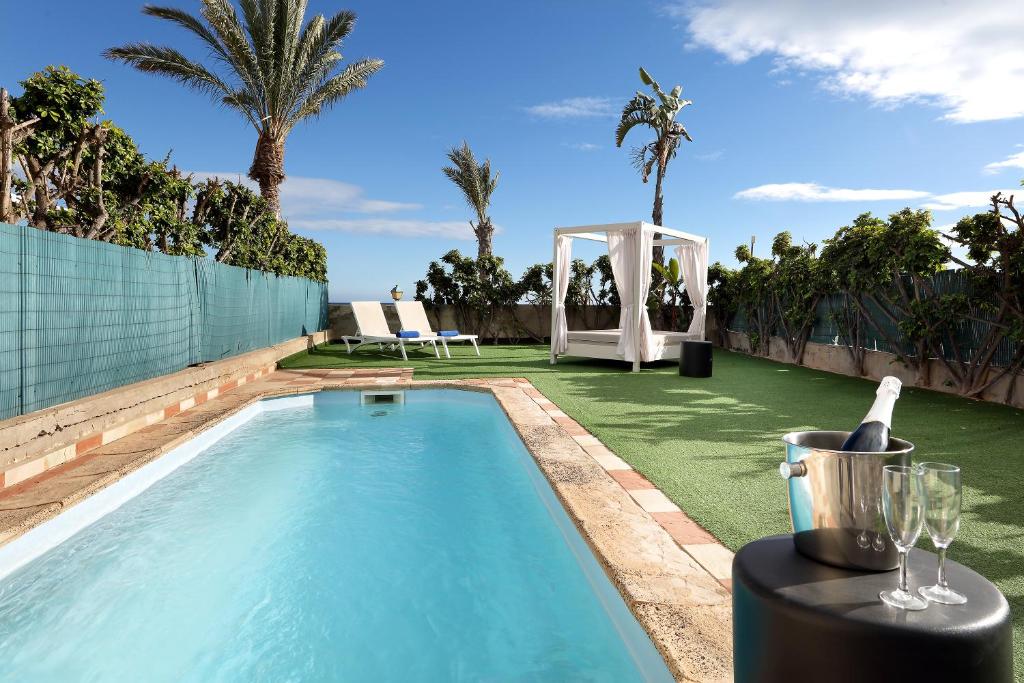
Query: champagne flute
{"points": [[942, 493], [902, 507]]}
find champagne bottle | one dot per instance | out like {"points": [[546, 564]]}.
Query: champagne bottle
{"points": [[872, 436]]}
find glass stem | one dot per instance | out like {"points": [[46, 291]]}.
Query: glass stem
{"points": [[942, 567], [903, 571]]}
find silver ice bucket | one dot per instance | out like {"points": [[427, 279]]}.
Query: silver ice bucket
{"points": [[835, 499]]}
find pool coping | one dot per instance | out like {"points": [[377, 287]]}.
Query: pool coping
{"points": [[672, 574]]}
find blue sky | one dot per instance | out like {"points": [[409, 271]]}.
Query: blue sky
{"points": [[805, 114]]}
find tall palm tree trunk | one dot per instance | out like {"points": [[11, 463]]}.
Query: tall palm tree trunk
{"points": [[268, 169], [658, 253], [656, 215], [484, 234], [484, 239]]}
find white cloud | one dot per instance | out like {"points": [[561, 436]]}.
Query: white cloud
{"points": [[812, 192], [305, 196], [964, 57], [314, 196], [457, 230], [583, 146], [322, 204], [1012, 161], [574, 108], [962, 200], [710, 156]]}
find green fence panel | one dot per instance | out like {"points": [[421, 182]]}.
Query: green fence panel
{"points": [[229, 310], [10, 321], [93, 316], [248, 309], [78, 317]]}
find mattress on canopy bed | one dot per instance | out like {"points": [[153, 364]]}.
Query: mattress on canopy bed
{"points": [[603, 343]]}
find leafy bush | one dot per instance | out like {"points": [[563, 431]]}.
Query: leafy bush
{"points": [[879, 279], [480, 290], [90, 180], [723, 298]]}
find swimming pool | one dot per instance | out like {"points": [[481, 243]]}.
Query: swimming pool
{"points": [[323, 539]]}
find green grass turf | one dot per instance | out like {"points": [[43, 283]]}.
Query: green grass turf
{"points": [[713, 445]]}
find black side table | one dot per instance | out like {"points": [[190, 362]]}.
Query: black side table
{"points": [[797, 620], [695, 358]]}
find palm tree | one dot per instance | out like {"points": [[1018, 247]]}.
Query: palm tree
{"points": [[672, 284], [477, 185], [644, 110], [273, 70]]}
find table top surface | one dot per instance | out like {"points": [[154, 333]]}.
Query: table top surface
{"points": [[772, 568]]}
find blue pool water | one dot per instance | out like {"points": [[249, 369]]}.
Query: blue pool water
{"points": [[332, 542]]}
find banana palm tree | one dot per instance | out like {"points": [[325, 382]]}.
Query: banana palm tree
{"points": [[266, 65], [660, 116], [477, 185]]}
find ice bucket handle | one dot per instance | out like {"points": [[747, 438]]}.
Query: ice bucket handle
{"points": [[789, 470]]}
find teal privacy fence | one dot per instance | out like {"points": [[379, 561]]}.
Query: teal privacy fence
{"points": [[967, 333], [78, 316]]}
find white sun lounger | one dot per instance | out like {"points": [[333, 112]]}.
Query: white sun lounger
{"points": [[372, 328], [414, 317]]}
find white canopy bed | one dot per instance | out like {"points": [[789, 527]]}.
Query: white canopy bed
{"points": [[630, 249]]}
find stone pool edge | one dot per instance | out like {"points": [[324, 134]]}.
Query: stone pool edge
{"points": [[673, 592]]}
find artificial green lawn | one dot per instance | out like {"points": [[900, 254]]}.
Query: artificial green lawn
{"points": [[714, 445]]}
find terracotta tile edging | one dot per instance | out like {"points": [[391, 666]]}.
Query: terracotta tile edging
{"points": [[688, 534], [65, 457], [43, 434], [668, 570], [27, 469]]}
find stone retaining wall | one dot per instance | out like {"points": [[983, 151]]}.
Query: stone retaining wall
{"points": [[33, 443], [527, 322], [878, 364]]}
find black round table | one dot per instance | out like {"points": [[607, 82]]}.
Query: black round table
{"points": [[795, 619]]}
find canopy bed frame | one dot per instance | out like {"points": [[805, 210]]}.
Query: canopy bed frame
{"points": [[630, 248]]}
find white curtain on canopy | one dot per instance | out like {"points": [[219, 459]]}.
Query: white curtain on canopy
{"points": [[560, 333], [693, 259], [629, 249]]}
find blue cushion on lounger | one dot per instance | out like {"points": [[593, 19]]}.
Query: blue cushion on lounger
{"points": [[407, 334], [448, 333]]}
